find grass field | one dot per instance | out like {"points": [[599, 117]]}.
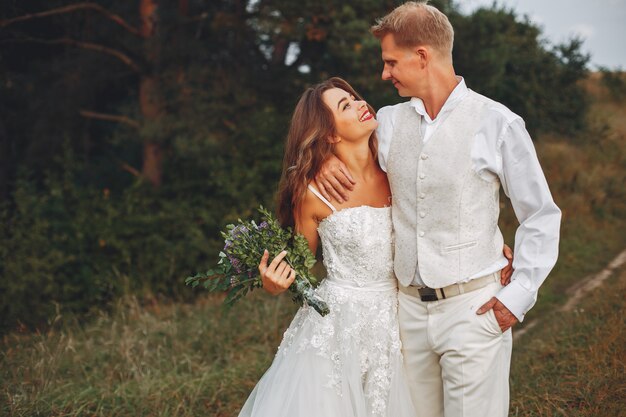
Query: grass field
{"points": [[181, 360], [171, 359], [573, 364]]}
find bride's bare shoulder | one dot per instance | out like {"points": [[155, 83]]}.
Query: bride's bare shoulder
{"points": [[313, 206]]}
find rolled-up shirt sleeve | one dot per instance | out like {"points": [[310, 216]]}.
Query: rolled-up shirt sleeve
{"points": [[537, 237]]}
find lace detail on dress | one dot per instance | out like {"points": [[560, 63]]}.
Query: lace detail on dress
{"points": [[357, 244], [360, 335]]}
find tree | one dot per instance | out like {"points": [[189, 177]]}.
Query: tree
{"points": [[503, 57]]}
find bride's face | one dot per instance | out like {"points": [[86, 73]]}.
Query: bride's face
{"points": [[353, 121]]}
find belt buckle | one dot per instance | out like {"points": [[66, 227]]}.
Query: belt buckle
{"points": [[427, 294]]}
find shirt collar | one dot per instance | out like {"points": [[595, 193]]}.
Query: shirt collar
{"points": [[453, 99]]}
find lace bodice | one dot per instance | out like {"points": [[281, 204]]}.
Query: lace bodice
{"points": [[357, 245]]}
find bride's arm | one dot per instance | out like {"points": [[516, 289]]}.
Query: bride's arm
{"points": [[278, 275], [306, 219]]}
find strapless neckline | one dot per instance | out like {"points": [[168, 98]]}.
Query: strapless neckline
{"points": [[345, 209]]}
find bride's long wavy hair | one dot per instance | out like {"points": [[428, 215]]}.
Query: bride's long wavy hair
{"points": [[308, 146]]}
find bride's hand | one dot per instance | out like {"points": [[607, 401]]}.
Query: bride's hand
{"points": [[334, 180], [278, 276]]}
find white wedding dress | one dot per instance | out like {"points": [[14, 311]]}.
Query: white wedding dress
{"points": [[348, 363]]}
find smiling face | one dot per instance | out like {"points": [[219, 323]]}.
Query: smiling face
{"points": [[405, 67], [353, 120]]}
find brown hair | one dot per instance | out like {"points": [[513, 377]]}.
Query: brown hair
{"points": [[417, 23], [308, 146]]}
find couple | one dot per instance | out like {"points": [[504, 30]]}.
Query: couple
{"points": [[420, 317]]}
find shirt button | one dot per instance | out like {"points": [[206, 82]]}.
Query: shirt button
{"points": [[422, 234], [424, 156], [422, 195], [422, 214], [422, 176]]}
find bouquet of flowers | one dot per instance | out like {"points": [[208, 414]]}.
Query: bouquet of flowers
{"points": [[237, 271]]}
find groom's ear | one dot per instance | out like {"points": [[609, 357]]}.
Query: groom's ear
{"points": [[422, 52]]}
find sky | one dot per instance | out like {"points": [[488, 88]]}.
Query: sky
{"points": [[600, 23]]}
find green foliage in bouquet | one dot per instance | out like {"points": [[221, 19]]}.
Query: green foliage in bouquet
{"points": [[237, 271]]}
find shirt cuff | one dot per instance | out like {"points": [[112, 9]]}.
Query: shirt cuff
{"points": [[517, 299]]}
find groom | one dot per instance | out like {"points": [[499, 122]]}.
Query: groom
{"points": [[447, 151]]}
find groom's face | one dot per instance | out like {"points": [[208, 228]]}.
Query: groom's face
{"points": [[403, 66]]}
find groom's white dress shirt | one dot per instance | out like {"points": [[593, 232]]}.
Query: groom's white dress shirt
{"points": [[502, 150]]}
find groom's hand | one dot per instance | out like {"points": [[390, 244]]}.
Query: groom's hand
{"points": [[505, 318], [507, 271], [334, 180]]}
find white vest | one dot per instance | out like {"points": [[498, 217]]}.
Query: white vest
{"points": [[444, 214]]}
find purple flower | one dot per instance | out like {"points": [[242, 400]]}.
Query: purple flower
{"points": [[236, 263], [263, 225], [238, 230]]}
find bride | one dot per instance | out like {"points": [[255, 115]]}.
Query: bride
{"points": [[348, 363]]}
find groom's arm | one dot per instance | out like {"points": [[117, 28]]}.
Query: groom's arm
{"points": [[537, 237]]}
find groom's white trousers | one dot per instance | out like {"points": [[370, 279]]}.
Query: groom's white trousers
{"points": [[457, 361]]}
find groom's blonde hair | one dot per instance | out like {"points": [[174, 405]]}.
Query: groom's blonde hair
{"points": [[417, 23]]}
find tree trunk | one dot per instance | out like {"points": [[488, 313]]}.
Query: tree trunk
{"points": [[150, 98]]}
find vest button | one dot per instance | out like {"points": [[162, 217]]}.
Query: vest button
{"points": [[422, 195], [424, 156], [422, 176], [422, 234], [422, 214]]}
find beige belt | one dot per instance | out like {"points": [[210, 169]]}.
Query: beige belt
{"points": [[434, 294]]}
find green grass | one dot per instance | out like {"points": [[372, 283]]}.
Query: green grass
{"points": [[168, 360], [189, 360], [573, 364]]}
